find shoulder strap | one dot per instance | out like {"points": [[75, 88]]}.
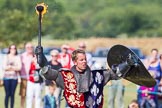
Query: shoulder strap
{"points": [[160, 65], [64, 69]]}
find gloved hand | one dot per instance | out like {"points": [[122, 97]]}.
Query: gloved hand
{"points": [[131, 60], [121, 69], [41, 59], [116, 70]]}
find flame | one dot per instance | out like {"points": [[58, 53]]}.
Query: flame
{"points": [[44, 8]]}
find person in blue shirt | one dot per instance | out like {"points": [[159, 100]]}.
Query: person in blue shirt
{"points": [[49, 99]]}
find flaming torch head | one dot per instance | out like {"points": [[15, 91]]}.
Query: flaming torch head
{"points": [[41, 8]]}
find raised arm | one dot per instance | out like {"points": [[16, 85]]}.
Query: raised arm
{"points": [[46, 72]]}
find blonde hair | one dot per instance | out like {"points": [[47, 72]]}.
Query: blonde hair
{"points": [[75, 52]]}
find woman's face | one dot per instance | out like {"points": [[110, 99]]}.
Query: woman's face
{"points": [[154, 54], [13, 49]]}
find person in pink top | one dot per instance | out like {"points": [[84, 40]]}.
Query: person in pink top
{"points": [[26, 59], [11, 67], [147, 97]]}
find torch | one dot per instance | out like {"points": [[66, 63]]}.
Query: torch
{"points": [[41, 9]]}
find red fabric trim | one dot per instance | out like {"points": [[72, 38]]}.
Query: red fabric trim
{"points": [[73, 98], [31, 72]]}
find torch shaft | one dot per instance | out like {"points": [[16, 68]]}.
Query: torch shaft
{"points": [[39, 29]]}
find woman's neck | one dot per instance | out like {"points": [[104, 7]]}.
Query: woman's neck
{"points": [[11, 55]]}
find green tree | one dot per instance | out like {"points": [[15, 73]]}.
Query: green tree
{"points": [[16, 28]]}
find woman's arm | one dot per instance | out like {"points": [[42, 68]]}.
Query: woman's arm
{"points": [[18, 64], [5, 66]]}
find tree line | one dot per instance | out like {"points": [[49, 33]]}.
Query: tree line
{"points": [[72, 19]]}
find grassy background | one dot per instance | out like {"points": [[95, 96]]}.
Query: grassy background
{"points": [[130, 93]]}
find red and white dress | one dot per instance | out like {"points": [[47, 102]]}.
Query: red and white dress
{"points": [[33, 88], [65, 60]]}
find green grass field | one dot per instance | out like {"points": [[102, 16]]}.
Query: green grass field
{"points": [[130, 93]]}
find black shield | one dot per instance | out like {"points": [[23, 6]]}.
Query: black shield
{"points": [[137, 74]]}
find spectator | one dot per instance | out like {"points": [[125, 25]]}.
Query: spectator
{"points": [[64, 57], [147, 98], [34, 86], [26, 59], [160, 86], [49, 99], [153, 66], [83, 46], [1, 70], [11, 66], [116, 93], [160, 60], [133, 104], [70, 49], [54, 65], [147, 95]]}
